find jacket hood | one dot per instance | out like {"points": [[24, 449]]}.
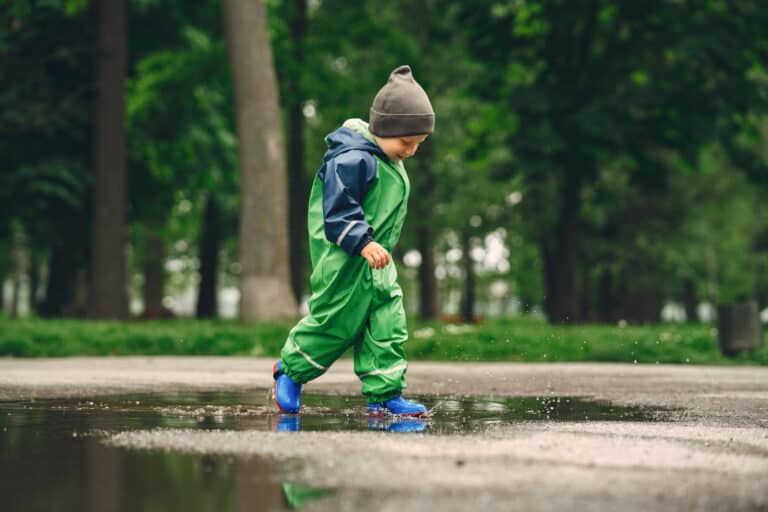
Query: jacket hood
{"points": [[353, 135]]}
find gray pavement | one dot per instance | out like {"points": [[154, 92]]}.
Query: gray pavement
{"points": [[712, 454]]}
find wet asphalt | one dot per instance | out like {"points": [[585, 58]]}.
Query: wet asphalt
{"points": [[502, 437]]}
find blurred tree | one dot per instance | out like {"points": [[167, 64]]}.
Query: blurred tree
{"points": [[264, 253], [3, 271], [46, 87], [182, 142], [593, 81], [748, 151], [436, 70], [288, 28], [425, 231], [605, 138], [108, 272], [154, 272], [17, 270], [468, 294], [210, 243]]}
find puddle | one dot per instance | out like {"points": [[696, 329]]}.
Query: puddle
{"points": [[55, 446]]}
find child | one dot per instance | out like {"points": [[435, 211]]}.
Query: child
{"points": [[356, 212]]}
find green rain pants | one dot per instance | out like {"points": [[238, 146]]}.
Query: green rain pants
{"points": [[352, 305]]}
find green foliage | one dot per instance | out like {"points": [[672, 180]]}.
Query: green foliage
{"points": [[182, 142], [44, 87], [656, 108], [41, 189], [180, 121], [46, 90], [615, 101]]}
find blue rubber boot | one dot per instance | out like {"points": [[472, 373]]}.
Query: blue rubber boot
{"points": [[398, 405], [285, 392]]}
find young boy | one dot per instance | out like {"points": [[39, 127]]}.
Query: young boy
{"points": [[356, 212]]}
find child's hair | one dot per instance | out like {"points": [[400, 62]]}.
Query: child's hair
{"points": [[401, 108]]}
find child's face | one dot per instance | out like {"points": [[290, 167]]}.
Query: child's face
{"points": [[400, 148]]}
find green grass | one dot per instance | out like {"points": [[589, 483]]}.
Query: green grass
{"points": [[533, 341], [495, 340]]}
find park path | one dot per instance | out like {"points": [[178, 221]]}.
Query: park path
{"points": [[710, 452], [710, 394]]}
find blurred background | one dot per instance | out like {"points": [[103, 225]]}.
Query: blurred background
{"points": [[593, 161]]}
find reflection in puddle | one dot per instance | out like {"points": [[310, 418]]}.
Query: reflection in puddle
{"points": [[55, 445], [298, 495]]}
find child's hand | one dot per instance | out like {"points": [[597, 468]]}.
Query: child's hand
{"points": [[377, 256]]}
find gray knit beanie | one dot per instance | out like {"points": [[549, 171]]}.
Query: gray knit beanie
{"points": [[401, 108]]}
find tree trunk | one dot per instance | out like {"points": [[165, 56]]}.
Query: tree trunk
{"points": [[77, 307], [690, 300], [424, 186], [210, 242], [713, 290], [33, 275], [642, 303], [154, 273], [428, 292], [526, 304], [761, 278], [587, 313], [468, 298], [2, 287], [760, 251], [606, 306], [108, 293], [761, 294], [560, 252], [60, 286], [265, 289], [17, 261], [297, 186]]}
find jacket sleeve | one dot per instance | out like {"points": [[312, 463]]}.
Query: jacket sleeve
{"points": [[346, 180]]}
